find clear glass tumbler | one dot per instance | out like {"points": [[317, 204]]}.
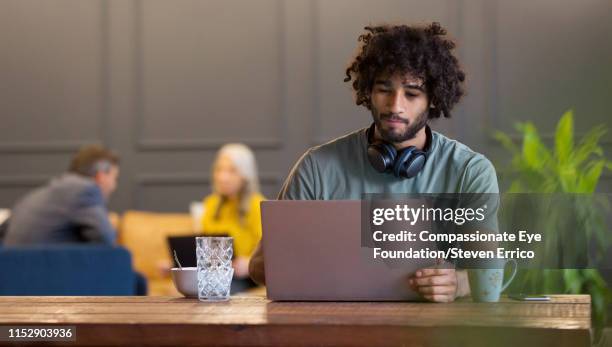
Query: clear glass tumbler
{"points": [[215, 270]]}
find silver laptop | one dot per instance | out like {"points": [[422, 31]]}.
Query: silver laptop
{"points": [[313, 252]]}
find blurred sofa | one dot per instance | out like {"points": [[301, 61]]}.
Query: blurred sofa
{"points": [[62, 268], [67, 270]]}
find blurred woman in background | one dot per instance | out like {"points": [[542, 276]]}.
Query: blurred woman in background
{"points": [[233, 207]]}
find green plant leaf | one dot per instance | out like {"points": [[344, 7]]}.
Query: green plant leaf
{"points": [[506, 142], [549, 186], [532, 180], [595, 276], [589, 145], [568, 177], [573, 281], [598, 303], [535, 153], [564, 137], [516, 187], [588, 181]]}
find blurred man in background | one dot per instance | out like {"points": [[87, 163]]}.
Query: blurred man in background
{"points": [[70, 208]]}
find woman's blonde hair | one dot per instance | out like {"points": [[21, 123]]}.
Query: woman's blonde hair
{"points": [[244, 160]]}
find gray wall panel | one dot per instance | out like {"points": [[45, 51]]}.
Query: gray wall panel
{"points": [[166, 83], [213, 68], [553, 58], [53, 71]]}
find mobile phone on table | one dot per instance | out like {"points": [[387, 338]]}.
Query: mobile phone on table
{"points": [[525, 297]]}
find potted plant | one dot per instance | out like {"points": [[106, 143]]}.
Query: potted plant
{"points": [[566, 168]]}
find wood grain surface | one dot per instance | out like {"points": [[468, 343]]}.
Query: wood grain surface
{"points": [[252, 321]]}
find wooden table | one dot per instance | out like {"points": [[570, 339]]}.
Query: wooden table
{"points": [[173, 321]]}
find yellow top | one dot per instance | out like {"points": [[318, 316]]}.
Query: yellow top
{"points": [[246, 231]]}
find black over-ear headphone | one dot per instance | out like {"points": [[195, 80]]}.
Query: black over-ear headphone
{"points": [[385, 159]]}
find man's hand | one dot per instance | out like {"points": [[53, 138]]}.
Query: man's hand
{"points": [[256, 266], [241, 267], [439, 285]]}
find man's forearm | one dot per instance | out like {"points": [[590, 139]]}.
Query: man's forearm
{"points": [[256, 266]]}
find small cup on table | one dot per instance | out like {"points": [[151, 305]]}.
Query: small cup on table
{"points": [[215, 271]]}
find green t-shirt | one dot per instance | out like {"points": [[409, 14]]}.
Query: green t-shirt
{"points": [[340, 170]]}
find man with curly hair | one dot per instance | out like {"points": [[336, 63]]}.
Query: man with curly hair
{"points": [[406, 76]]}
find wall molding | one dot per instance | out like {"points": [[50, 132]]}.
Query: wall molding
{"points": [[173, 144], [171, 179], [28, 181], [548, 137], [142, 181], [203, 144], [71, 146], [54, 146]]}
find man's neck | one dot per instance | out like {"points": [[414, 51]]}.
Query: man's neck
{"points": [[419, 141]]}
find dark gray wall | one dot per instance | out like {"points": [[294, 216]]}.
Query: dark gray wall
{"points": [[165, 83]]}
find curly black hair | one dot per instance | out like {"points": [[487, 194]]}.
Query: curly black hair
{"points": [[421, 51]]}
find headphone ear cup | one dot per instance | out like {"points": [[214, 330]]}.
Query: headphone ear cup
{"points": [[409, 162], [382, 156]]}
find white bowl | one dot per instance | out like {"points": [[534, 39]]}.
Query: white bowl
{"points": [[186, 281]]}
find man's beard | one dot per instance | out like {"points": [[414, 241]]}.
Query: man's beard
{"points": [[394, 136]]}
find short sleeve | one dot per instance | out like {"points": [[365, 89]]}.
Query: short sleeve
{"points": [[480, 190], [480, 177], [300, 184]]}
